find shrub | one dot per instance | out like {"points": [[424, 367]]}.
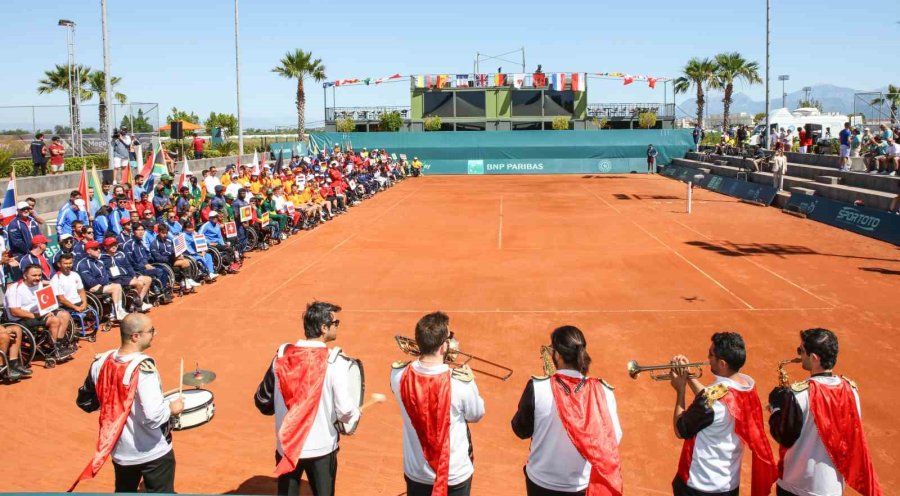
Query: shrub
{"points": [[226, 148], [601, 123], [560, 123], [647, 120], [432, 123], [711, 138], [24, 167], [391, 121], [345, 125]]}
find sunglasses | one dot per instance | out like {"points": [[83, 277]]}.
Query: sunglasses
{"points": [[801, 351], [152, 331], [88, 232], [335, 323]]}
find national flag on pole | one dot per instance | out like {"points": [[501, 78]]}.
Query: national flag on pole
{"points": [[462, 80], [126, 179], [420, 81], [429, 81], [499, 79], [8, 210], [256, 160], [518, 80], [579, 81], [83, 185], [558, 81], [481, 80], [538, 79], [155, 164], [185, 172], [442, 80], [279, 163], [96, 185]]}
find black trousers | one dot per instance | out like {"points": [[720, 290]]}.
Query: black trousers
{"points": [[320, 471], [414, 488], [679, 488], [39, 168], [158, 475], [532, 489]]}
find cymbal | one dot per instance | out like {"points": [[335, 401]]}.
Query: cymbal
{"points": [[198, 377]]}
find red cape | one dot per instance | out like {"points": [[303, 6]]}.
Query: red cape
{"points": [[588, 423], [746, 409], [116, 400], [426, 399], [840, 429], [301, 375]]}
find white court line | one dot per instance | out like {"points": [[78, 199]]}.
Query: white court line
{"points": [[588, 311], [330, 251], [500, 230], [679, 255]]}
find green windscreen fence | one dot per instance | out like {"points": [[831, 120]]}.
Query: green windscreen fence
{"points": [[522, 152]]}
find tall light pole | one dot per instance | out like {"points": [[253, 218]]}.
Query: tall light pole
{"points": [[783, 78], [768, 35], [107, 85], [807, 90], [237, 75], [74, 80]]}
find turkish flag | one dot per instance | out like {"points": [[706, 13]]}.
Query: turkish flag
{"points": [[46, 300]]}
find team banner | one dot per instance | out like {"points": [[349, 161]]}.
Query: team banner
{"points": [[230, 230], [180, 244], [200, 242], [46, 300], [264, 220], [870, 222], [246, 213]]}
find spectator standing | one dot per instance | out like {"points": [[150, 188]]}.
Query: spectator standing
{"points": [[844, 137], [39, 155], [855, 142], [651, 158], [121, 155], [697, 135], [57, 158], [741, 136], [211, 181], [198, 144], [779, 169], [801, 135]]}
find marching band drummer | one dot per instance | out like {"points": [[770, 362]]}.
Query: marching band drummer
{"points": [[724, 416], [571, 453], [134, 417], [436, 404], [307, 388], [817, 423]]}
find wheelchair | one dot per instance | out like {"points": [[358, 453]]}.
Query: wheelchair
{"points": [[87, 324], [104, 308], [218, 261], [25, 354], [180, 288], [36, 344]]}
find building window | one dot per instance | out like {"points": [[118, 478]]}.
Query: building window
{"points": [[559, 102], [527, 126], [470, 104], [439, 103], [526, 103], [470, 126]]}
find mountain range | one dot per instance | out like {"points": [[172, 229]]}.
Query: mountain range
{"points": [[833, 99]]}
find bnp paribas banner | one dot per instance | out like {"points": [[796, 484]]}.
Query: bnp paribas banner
{"points": [[522, 152]]}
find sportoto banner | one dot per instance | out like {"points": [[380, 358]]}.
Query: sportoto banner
{"points": [[867, 221], [760, 193]]}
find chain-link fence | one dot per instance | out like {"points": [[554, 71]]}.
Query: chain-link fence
{"points": [[19, 124], [877, 107]]}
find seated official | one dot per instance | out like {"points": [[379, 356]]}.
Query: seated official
{"points": [[22, 308], [95, 277], [139, 257], [68, 286], [570, 453], [66, 245], [121, 271], [10, 345]]}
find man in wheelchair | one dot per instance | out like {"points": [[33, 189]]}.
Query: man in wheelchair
{"points": [[203, 259], [69, 290], [162, 251], [212, 231], [22, 308], [139, 257], [10, 363], [95, 278], [122, 272]]}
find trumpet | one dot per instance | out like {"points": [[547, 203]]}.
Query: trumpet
{"points": [[783, 379], [456, 358], [634, 369]]}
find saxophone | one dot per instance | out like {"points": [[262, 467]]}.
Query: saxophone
{"points": [[547, 359], [783, 379]]}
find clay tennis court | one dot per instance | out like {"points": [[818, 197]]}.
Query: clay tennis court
{"points": [[509, 258]]}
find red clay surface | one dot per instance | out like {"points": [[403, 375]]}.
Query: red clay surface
{"points": [[509, 258]]}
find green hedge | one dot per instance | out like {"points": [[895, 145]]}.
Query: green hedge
{"points": [[25, 167]]}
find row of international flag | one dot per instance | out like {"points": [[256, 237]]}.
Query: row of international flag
{"points": [[558, 81]]}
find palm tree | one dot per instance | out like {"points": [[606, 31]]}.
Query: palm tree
{"points": [[96, 83], [731, 67], [57, 79], [892, 98], [698, 73], [299, 65]]}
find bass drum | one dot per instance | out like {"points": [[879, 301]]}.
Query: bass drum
{"points": [[356, 381]]}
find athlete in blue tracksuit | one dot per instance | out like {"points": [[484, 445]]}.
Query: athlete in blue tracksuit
{"points": [[139, 257], [205, 258], [21, 230], [213, 234]]}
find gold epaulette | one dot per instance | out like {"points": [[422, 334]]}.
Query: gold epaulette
{"points": [[540, 377], [799, 387], [714, 393], [610, 386], [850, 381], [399, 364], [463, 374], [148, 366]]}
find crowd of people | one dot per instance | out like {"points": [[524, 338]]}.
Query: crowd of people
{"points": [[136, 246], [570, 417]]}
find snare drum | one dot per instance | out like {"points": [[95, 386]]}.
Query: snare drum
{"points": [[356, 381], [199, 408]]}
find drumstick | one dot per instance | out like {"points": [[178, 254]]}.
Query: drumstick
{"points": [[374, 400], [181, 378]]}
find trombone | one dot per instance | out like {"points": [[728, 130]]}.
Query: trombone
{"points": [[452, 358], [634, 369]]}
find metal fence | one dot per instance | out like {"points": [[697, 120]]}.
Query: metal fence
{"points": [[19, 124], [363, 113], [630, 110], [876, 107]]}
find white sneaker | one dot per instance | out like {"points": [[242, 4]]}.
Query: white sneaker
{"points": [[145, 307], [892, 173], [190, 283], [121, 314], [213, 276]]}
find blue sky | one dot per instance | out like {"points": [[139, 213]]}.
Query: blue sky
{"points": [[181, 53]]}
